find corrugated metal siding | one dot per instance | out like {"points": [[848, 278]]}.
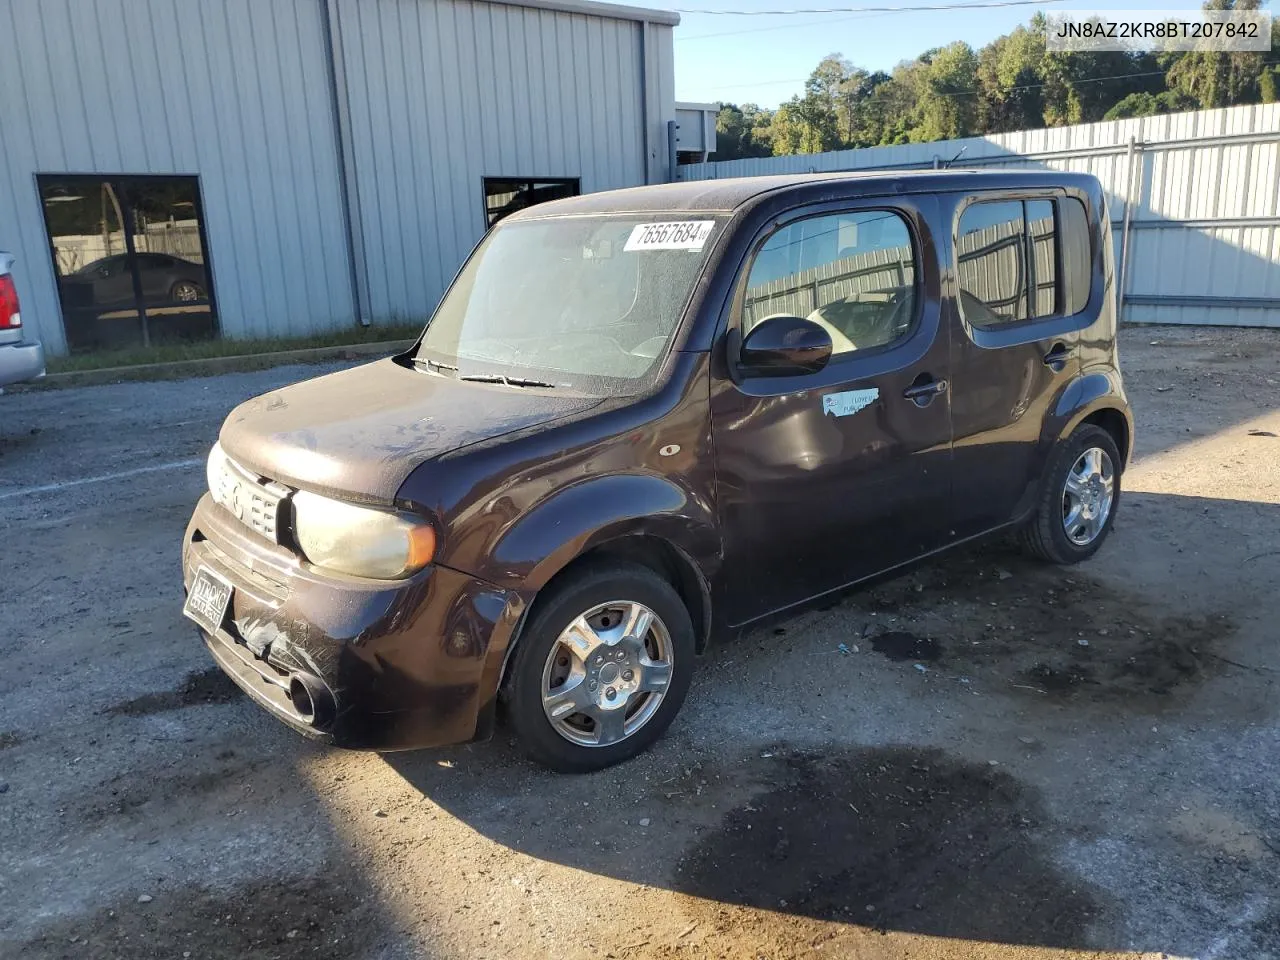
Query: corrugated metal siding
{"points": [[235, 91], [1205, 215], [441, 94]]}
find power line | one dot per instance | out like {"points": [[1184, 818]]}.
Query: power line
{"points": [[781, 26], [904, 9], [827, 22]]}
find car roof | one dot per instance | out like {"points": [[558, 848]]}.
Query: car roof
{"points": [[725, 196]]}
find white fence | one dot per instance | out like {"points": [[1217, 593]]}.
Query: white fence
{"points": [[1195, 201]]}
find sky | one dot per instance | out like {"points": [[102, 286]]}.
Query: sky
{"points": [[765, 59]]}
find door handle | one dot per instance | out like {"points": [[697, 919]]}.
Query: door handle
{"points": [[923, 389], [1056, 358]]}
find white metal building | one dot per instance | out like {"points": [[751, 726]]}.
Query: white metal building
{"points": [[1194, 198], [281, 167]]}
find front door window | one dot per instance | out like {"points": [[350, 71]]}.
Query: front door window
{"points": [[130, 258]]}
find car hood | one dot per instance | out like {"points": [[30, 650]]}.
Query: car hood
{"points": [[361, 432]]}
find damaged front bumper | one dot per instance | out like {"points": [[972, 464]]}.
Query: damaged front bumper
{"points": [[355, 662]]}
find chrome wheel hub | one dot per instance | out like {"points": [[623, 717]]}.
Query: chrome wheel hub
{"points": [[607, 673], [1087, 496]]}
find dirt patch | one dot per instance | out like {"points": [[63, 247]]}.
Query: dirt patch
{"points": [[317, 917], [204, 686], [900, 645], [226, 781], [898, 839], [1054, 631], [9, 739]]}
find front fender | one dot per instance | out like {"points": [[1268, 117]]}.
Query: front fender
{"points": [[592, 512], [589, 514]]}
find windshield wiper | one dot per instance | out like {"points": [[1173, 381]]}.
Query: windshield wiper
{"points": [[434, 364], [509, 381]]}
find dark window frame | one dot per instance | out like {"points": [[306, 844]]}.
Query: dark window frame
{"points": [[125, 180], [494, 215]]}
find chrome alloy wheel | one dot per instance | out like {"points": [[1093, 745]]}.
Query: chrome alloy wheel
{"points": [[1087, 496], [607, 673]]}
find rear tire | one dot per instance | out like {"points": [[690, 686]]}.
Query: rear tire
{"points": [[1079, 499], [601, 668]]}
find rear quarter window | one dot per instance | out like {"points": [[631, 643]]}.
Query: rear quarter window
{"points": [[1077, 259]]}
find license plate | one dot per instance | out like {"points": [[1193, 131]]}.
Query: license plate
{"points": [[208, 600]]}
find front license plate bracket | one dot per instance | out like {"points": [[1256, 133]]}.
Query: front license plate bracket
{"points": [[208, 599]]}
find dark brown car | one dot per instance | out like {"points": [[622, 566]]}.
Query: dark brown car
{"points": [[642, 420]]}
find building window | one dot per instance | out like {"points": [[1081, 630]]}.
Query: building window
{"points": [[129, 253], [503, 195], [1020, 260], [853, 273]]}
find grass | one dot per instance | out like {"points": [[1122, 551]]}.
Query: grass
{"points": [[209, 349]]}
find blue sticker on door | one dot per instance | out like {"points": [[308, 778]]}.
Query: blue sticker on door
{"points": [[849, 402]]}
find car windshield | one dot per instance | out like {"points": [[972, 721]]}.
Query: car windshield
{"points": [[588, 304]]}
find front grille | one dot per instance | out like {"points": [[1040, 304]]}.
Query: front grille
{"points": [[263, 512], [255, 502]]}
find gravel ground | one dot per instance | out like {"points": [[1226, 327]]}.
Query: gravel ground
{"points": [[1009, 760]]}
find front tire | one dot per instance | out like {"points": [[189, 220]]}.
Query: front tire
{"points": [[601, 669], [1079, 499]]}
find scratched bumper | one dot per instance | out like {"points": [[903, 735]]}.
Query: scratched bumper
{"points": [[410, 664]]}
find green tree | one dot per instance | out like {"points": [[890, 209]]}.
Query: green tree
{"points": [[739, 132], [1269, 84], [1009, 82], [1013, 83], [944, 85], [1215, 78], [1146, 104]]}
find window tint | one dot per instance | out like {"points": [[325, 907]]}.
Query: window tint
{"points": [[852, 273], [1018, 260], [992, 263], [1077, 268]]}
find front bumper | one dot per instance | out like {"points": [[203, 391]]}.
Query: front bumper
{"points": [[20, 362], [409, 664]]}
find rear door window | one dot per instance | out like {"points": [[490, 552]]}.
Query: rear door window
{"points": [[1019, 260]]}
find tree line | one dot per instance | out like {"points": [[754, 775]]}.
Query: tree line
{"points": [[1013, 83]]}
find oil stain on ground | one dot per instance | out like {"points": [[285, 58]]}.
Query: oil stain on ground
{"points": [[898, 839], [900, 645], [200, 687], [1041, 631]]}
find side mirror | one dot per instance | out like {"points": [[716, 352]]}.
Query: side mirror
{"points": [[783, 347]]}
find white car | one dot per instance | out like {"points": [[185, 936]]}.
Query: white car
{"points": [[19, 360]]}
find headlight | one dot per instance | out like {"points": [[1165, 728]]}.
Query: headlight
{"points": [[215, 469], [360, 541]]}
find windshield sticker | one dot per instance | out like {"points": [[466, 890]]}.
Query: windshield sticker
{"points": [[674, 235], [849, 402]]}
